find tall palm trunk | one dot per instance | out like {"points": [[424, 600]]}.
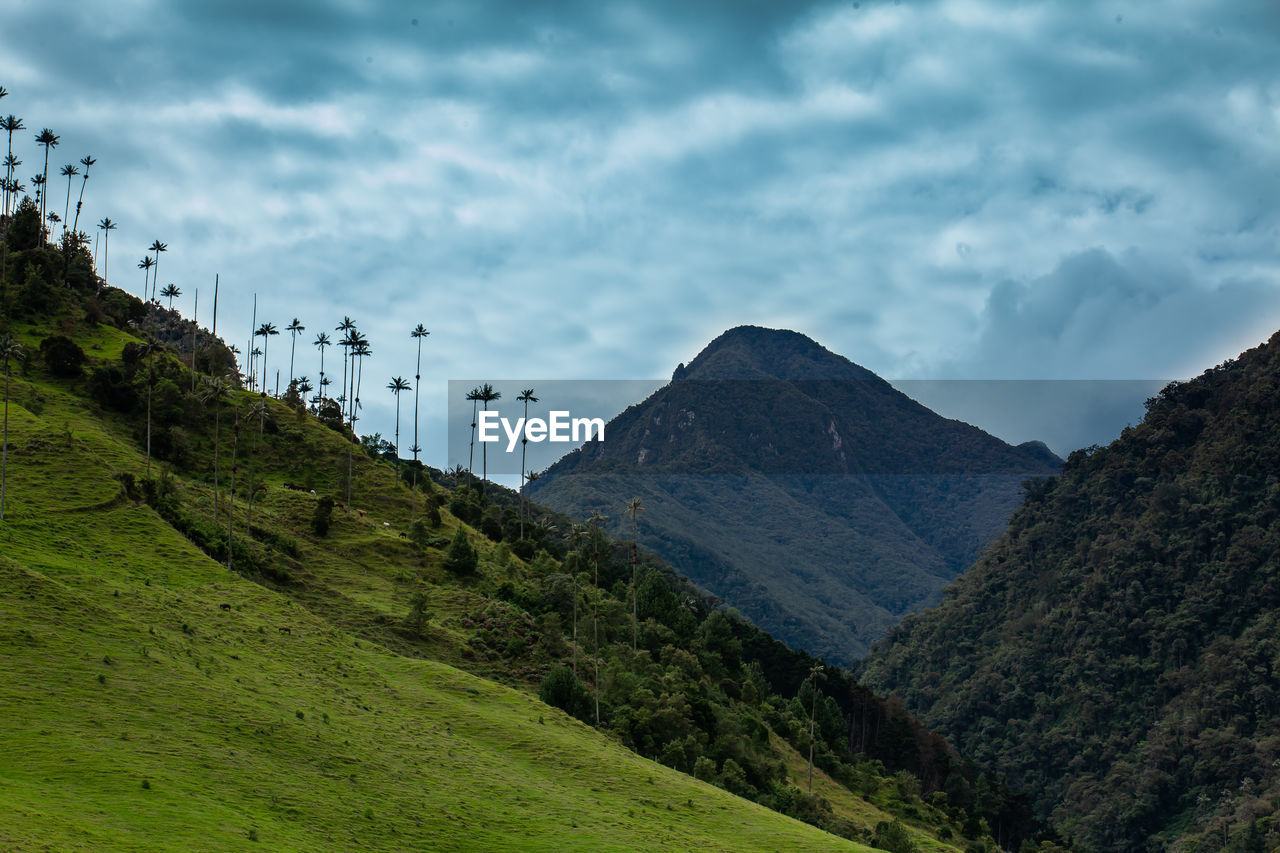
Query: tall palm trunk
{"points": [[217, 430], [231, 489], [4, 445], [151, 380]]}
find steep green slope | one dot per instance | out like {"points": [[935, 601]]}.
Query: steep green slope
{"points": [[1117, 651], [800, 488]]}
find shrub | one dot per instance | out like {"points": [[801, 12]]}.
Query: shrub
{"points": [[63, 356], [322, 518], [562, 689], [462, 558], [892, 837]]}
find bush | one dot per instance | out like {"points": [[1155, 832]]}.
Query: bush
{"points": [[322, 518], [63, 356], [462, 558], [892, 837], [112, 389], [562, 689]]}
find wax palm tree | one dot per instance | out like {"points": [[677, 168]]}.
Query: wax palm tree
{"points": [[304, 387], [215, 390], [69, 171], [395, 386], [49, 140], [487, 396], [474, 396], [265, 331], [231, 489], [86, 161], [633, 509], [107, 227], [169, 291], [322, 341], [145, 265], [576, 533], [526, 396], [346, 327], [54, 219], [294, 329], [37, 182], [9, 351], [253, 359], [418, 334], [9, 124], [359, 349], [814, 674], [259, 410], [157, 247], [150, 347], [597, 521], [11, 164]]}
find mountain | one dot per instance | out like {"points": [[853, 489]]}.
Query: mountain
{"points": [[333, 661], [1117, 651], [800, 488]]}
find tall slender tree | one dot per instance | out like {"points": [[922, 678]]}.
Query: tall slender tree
{"points": [[150, 347], [596, 520], [157, 247], [9, 124], [169, 291], [634, 508], [294, 329], [145, 265], [215, 390], [69, 171], [107, 227], [86, 161], [11, 164], [576, 533], [304, 387], [9, 351], [346, 327], [487, 395], [322, 341], [231, 488], [359, 349], [419, 334], [265, 331], [396, 386], [49, 140], [814, 674], [474, 396], [526, 396]]}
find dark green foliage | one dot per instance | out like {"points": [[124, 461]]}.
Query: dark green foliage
{"points": [[1116, 653], [322, 517], [893, 838], [461, 558], [25, 229], [112, 388], [562, 689], [417, 617], [62, 356]]}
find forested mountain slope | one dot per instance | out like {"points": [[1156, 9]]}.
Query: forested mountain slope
{"points": [[800, 488], [1117, 651]]}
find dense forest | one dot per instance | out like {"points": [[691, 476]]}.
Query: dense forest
{"points": [[1116, 652]]}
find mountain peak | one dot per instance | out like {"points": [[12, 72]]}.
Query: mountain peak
{"points": [[756, 352]]}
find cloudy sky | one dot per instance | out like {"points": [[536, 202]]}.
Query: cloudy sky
{"points": [[960, 188]]}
